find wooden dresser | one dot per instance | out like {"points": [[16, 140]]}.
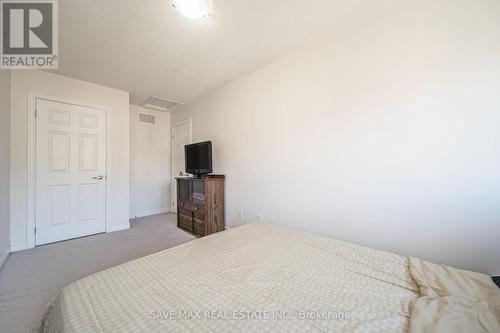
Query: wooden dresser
{"points": [[200, 204]]}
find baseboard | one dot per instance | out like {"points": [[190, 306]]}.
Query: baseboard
{"points": [[3, 256], [149, 212], [118, 227], [18, 247]]}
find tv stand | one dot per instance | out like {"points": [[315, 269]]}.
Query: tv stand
{"points": [[200, 204]]}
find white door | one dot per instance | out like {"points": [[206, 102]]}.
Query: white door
{"points": [[70, 171], [181, 136]]}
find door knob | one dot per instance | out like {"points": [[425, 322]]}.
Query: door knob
{"points": [[98, 177]]}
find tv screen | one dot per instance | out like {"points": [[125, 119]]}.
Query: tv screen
{"points": [[199, 158]]}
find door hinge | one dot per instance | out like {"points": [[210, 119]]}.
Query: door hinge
{"points": [[35, 230], [36, 112]]}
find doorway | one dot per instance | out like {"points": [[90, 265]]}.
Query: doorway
{"points": [[181, 136]]}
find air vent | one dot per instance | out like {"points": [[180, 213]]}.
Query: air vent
{"points": [[158, 103], [147, 118]]}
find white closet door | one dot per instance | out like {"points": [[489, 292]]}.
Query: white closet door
{"points": [[70, 171], [181, 136]]}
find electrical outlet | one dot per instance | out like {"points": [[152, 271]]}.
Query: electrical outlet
{"points": [[260, 217], [240, 214]]}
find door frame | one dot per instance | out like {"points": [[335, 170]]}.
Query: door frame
{"points": [[182, 123], [31, 168]]}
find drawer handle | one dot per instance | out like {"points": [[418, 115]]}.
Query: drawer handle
{"points": [[195, 208]]}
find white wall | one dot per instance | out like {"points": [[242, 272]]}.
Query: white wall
{"points": [[4, 165], [150, 182], [24, 82], [387, 136]]}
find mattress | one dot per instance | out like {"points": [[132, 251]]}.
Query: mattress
{"points": [[254, 278]]}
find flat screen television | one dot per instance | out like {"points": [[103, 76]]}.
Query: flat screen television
{"points": [[199, 158]]}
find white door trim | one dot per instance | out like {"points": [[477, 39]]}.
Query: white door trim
{"points": [[31, 170], [182, 123]]}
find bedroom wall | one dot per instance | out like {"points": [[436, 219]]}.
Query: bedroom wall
{"points": [[24, 82], [4, 165], [387, 136], [150, 182]]}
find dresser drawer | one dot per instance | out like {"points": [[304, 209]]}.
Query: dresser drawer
{"points": [[192, 207], [183, 211], [185, 222], [199, 227], [199, 212]]}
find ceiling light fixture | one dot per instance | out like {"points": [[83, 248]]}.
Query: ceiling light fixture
{"points": [[192, 8]]}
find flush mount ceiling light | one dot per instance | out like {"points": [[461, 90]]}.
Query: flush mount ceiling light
{"points": [[192, 8]]}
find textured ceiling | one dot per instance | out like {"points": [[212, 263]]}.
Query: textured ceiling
{"points": [[147, 48]]}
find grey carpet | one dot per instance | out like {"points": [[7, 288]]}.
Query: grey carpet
{"points": [[30, 278]]}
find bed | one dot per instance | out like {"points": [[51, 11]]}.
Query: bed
{"points": [[269, 278]]}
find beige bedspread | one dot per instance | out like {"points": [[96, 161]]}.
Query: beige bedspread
{"points": [[453, 300], [254, 278]]}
